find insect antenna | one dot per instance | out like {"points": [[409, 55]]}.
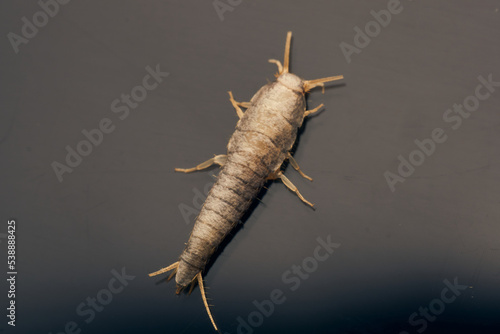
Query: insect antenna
{"points": [[287, 52], [310, 84], [284, 69]]}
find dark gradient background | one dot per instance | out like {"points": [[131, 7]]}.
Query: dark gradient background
{"points": [[120, 207]]}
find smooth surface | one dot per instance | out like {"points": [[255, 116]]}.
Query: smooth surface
{"points": [[121, 206]]}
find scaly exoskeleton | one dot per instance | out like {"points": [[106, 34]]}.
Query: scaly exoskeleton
{"points": [[264, 135]]}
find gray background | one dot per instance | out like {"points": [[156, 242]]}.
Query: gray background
{"points": [[120, 207]]}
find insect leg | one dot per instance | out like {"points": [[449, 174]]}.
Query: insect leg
{"points": [[312, 111], [237, 105], [278, 63], [295, 165], [289, 185], [218, 159]]}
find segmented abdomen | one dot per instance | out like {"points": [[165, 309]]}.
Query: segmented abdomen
{"points": [[256, 149], [236, 187]]}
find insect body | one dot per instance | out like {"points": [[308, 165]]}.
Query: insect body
{"points": [[264, 135]]}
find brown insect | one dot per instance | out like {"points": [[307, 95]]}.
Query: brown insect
{"points": [[264, 135]]}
